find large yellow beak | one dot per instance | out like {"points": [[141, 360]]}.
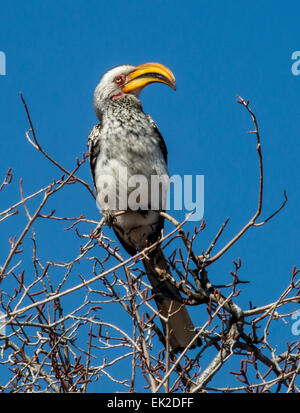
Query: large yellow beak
{"points": [[148, 73]]}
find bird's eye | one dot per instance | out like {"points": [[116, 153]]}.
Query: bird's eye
{"points": [[119, 80]]}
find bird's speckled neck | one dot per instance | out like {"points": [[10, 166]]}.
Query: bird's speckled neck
{"points": [[121, 107]]}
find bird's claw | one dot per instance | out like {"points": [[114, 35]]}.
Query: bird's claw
{"points": [[109, 218]]}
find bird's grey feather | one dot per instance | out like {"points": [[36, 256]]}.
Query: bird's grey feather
{"points": [[128, 138]]}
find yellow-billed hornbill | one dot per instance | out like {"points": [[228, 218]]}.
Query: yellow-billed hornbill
{"points": [[127, 143]]}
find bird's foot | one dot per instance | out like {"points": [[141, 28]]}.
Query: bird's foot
{"points": [[109, 218]]}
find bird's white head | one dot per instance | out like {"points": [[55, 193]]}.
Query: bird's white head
{"points": [[129, 80]]}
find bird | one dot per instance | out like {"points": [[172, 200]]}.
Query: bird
{"points": [[126, 145]]}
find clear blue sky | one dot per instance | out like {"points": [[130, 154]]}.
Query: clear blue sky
{"points": [[56, 53]]}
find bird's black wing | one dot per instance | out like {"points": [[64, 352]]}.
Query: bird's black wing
{"points": [[94, 146], [162, 143]]}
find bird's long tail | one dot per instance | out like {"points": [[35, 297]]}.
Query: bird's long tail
{"points": [[181, 330]]}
